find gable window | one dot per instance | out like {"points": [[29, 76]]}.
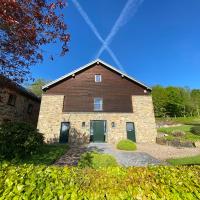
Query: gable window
{"points": [[12, 100], [98, 78], [30, 108], [98, 104]]}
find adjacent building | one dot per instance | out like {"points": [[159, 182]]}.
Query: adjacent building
{"points": [[96, 103], [17, 103]]}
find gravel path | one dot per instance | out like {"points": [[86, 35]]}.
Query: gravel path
{"points": [[163, 152], [146, 154], [126, 158]]}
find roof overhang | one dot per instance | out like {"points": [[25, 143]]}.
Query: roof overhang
{"points": [[98, 61]]}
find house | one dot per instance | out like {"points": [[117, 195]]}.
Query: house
{"points": [[96, 103], [17, 103]]}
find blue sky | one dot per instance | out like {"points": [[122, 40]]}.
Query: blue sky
{"points": [[159, 44]]}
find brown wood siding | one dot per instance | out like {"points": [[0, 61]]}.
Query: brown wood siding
{"points": [[80, 91]]}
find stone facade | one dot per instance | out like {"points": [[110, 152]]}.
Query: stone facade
{"points": [[19, 111], [51, 115]]}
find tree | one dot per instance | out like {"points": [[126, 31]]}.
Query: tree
{"points": [[25, 26], [36, 87]]}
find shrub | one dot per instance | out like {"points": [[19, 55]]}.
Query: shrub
{"points": [[96, 160], [127, 145], [18, 140], [178, 133], [195, 130], [40, 182]]}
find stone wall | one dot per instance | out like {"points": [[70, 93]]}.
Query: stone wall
{"points": [[51, 116], [19, 111]]}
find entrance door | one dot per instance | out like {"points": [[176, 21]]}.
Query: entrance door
{"points": [[64, 132], [130, 129], [98, 128]]}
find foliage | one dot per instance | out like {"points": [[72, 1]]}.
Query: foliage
{"points": [[194, 160], [18, 139], [175, 101], [127, 145], [96, 160], [46, 155], [185, 128], [41, 182], [179, 120], [25, 26], [36, 86], [195, 130]]}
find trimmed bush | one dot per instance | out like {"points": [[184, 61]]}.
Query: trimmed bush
{"points": [[96, 160], [40, 182], [19, 140], [127, 145], [195, 130]]}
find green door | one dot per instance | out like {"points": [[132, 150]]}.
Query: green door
{"points": [[130, 128], [98, 130], [64, 132]]}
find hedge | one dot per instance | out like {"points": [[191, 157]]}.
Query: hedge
{"points": [[42, 182]]}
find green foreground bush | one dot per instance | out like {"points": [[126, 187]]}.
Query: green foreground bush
{"points": [[96, 160], [40, 182], [19, 140], [127, 145]]}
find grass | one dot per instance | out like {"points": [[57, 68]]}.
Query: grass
{"points": [[126, 145], [96, 160], [47, 155], [186, 128], [194, 160], [181, 120]]}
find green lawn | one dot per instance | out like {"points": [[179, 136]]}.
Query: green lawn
{"points": [[186, 128], [195, 160], [47, 155], [181, 120]]}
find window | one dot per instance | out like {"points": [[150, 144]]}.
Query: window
{"points": [[98, 78], [98, 104], [12, 100], [83, 124], [30, 108], [113, 124]]}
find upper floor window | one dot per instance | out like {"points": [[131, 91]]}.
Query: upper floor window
{"points": [[98, 78], [30, 108], [12, 99], [98, 104]]}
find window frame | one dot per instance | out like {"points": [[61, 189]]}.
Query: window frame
{"points": [[30, 108], [101, 104], [96, 78], [12, 99]]}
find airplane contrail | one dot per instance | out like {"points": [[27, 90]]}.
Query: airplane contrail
{"points": [[96, 32], [128, 11]]}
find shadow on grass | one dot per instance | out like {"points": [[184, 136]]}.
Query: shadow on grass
{"points": [[46, 155]]}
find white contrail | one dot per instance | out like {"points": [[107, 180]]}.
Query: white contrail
{"points": [[128, 11], [96, 32]]}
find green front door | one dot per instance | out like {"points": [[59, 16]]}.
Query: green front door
{"points": [[130, 128], [98, 130]]}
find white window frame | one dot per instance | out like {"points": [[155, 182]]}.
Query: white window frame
{"points": [[98, 80], [101, 104]]}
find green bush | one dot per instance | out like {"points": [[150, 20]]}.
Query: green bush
{"points": [[40, 182], [195, 130], [96, 160], [18, 140], [127, 145]]}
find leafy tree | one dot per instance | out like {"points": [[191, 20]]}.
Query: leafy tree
{"points": [[25, 26], [195, 96], [36, 87]]}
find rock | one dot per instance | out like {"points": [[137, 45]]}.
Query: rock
{"points": [[174, 143], [178, 133], [187, 144], [197, 144], [161, 134]]}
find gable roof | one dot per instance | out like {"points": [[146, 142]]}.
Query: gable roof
{"points": [[7, 83], [87, 66]]}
